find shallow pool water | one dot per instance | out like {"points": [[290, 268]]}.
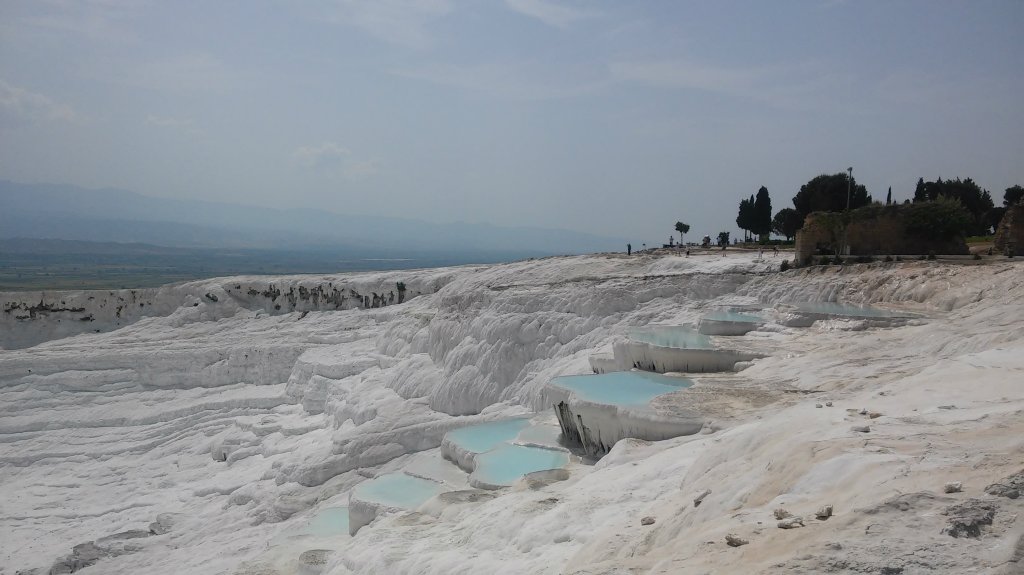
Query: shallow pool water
{"points": [[671, 336], [734, 316], [330, 522], [832, 308], [432, 465], [397, 490], [480, 438], [505, 464], [540, 435], [626, 388]]}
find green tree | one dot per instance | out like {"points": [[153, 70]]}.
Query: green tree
{"points": [[977, 201], [723, 238], [888, 197], [786, 223], [1013, 196], [941, 218], [682, 229], [746, 219], [761, 218], [994, 216], [827, 193], [919, 192]]}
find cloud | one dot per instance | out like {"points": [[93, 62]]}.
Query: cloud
{"points": [[402, 22], [514, 81], [325, 154], [164, 122], [332, 159], [799, 86], [169, 123], [96, 20], [683, 74], [550, 13], [34, 106], [360, 168], [195, 72]]}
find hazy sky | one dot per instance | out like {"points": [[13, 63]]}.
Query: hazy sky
{"points": [[611, 117]]}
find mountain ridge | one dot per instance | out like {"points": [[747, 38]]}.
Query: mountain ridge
{"points": [[60, 211]]}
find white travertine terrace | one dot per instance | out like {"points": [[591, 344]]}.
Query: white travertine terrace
{"points": [[188, 433]]}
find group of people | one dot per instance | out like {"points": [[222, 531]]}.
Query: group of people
{"points": [[760, 250], [629, 248]]}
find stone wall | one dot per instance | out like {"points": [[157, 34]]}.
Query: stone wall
{"points": [[808, 239], [882, 234], [1010, 233]]}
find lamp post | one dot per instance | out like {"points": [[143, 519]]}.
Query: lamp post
{"points": [[846, 233], [849, 184]]}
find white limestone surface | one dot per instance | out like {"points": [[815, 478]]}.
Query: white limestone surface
{"points": [[229, 422]]}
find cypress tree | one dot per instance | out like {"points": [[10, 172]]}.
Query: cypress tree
{"points": [[762, 220]]}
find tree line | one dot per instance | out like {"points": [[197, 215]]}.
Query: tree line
{"points": [[838, 192]]}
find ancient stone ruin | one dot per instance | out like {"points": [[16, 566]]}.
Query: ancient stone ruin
{"points": [[870, 231], [1010, 233]]}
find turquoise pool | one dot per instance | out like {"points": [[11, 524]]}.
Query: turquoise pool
{"points": [[504, 465], [397, 490], [832, 308], [485, 436], [540, 435], [627, 388], [330, 522], [738, 317]]}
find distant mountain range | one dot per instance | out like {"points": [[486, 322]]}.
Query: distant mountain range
{"points": [[48, 264], [37, 211]]}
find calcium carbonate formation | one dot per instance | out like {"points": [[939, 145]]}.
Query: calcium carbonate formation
{"points": [[588, 414]]}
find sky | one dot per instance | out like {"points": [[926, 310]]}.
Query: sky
{"points": [[616, 118]]}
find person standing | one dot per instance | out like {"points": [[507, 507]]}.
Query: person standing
{"points": [[629, 249]]}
